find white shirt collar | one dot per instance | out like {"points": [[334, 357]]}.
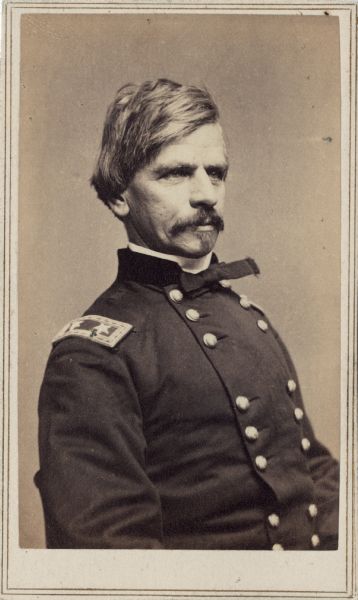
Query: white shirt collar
{"points": [[191, 265]]}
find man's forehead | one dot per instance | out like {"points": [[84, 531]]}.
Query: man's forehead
{"points": [[206, 142]]}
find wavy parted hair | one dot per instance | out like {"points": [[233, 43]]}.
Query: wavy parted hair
{"points": [[140, 121]]}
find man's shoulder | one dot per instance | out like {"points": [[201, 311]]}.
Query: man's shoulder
{"points": [[114, 314], [120, 301]]}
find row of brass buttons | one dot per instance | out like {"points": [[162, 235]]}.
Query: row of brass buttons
{"points": [[299, 414], [242, 402], [305, 445], [210, 340], [251, 433], [274, 519], [315, 541]]}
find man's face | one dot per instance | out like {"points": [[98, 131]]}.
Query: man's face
{"points": [[176, 202]]}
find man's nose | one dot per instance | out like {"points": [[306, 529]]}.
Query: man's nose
{"points": [[202, 189]]}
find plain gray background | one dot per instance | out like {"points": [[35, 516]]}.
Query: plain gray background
{"points": [[276, 81]]}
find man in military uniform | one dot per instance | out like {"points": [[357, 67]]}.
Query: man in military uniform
{"points": [[170, 413]]}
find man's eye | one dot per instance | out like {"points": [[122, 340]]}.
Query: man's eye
{"points": [[175, 173], [216, 174]]}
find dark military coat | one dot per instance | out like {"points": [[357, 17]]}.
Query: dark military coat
{"points": [[190, 432]]}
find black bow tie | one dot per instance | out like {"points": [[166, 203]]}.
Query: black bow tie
{"points": [[191, 282]]}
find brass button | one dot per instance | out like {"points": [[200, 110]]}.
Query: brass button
{"points": [[315, 541], [176, 295], [192, 314], [274, 520], [312, 511], [261, 324], [242, 403], [291, 385], [261, 462], [298, 414], [277, 547], [210, 340], [225, 283], [245, 302], [305, 444], [251, 433]]}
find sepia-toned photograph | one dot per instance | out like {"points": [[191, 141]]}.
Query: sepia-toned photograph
{"points": [[179, 300]]}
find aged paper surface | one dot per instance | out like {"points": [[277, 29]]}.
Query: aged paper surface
{"points": [[284, 77]]}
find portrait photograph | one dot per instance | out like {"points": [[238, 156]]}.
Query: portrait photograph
{"points": [[179, 293]]}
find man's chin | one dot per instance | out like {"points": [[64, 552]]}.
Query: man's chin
{"points": [[197, 245]]}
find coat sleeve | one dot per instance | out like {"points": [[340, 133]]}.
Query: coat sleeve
{"points": [[324, 471], [92, 478]]}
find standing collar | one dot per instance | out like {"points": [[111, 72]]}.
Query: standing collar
{"points": [[191, 265], [149, 269]]}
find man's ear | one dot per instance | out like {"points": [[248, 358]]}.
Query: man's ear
{"points": [[119, 206]]}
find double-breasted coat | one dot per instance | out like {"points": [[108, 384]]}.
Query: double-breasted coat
{"points": [[188, 432]]}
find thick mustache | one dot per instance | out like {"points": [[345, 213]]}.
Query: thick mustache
{"points": [[203, 217]]}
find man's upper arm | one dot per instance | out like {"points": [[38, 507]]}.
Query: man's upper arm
{"points": [[93, 483]]}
